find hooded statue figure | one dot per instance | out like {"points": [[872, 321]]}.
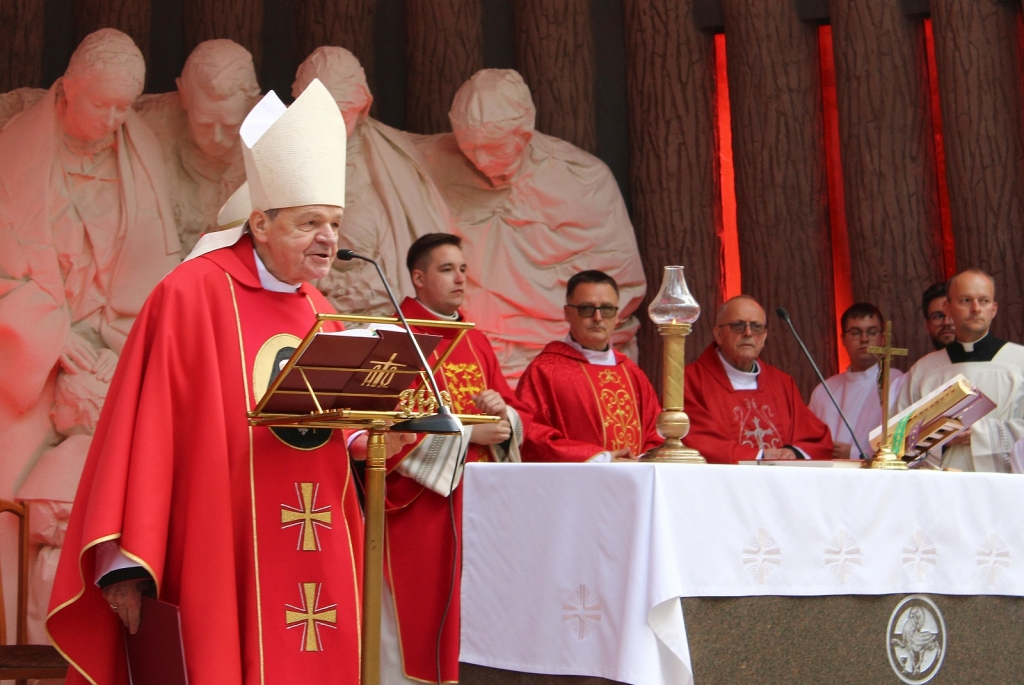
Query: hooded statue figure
{"points": [[390, 198], [532, 210]]}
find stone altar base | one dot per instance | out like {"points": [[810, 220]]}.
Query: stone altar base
{"points": [[839, 640]]}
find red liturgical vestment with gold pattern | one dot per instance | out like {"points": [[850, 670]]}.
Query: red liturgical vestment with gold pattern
{"points": [[419, 536], [255, 533], [582, 409], [728, 426]]}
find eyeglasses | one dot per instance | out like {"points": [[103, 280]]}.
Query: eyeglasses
{"points": [[936, 317], [858, 332], [738, 327], [587, 310]]}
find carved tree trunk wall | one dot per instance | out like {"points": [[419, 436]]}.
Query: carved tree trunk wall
{"points": [[21, 44], [130, 16], [555, 55], [888, 153], [976, 51], [674, 166], [346, 23], [781, 184], [444, 48], [239, 20]]}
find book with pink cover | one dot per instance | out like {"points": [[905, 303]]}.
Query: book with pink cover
{"points": [[155, 653]]}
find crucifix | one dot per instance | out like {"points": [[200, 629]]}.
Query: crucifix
{"points": [[886, 458]]}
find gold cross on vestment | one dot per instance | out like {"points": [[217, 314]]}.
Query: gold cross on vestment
{"points": [[310, 618], [308, 516], [885, 354]]}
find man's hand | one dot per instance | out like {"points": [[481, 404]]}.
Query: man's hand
{"points": [[840, 450], [393, 444], [490, 402], [77, 355], [625, 454], [778, 453], [491, 433], [963, 439], [125, 599]]}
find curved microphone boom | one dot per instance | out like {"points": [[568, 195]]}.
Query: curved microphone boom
{"points": [[784, 315], [441, 422]]}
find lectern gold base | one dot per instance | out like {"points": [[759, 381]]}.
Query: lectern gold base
{"points": [[673, 450]]}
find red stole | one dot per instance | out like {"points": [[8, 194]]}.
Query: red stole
{"points": [[257, 541]]}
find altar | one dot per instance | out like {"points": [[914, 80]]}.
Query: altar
{"points": [[645, 573]]}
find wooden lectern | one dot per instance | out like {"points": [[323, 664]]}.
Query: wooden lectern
{"points": [[344, 380]]}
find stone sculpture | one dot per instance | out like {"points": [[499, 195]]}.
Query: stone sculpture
{"points": [[390, 199], [86, 231], [198, 129], [532, 210]]}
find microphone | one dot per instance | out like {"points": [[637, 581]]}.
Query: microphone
{"points": [[784, 315], [441, 422]]}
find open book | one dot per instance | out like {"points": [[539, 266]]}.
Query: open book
{"points": [[363, 369], [935, 419]]}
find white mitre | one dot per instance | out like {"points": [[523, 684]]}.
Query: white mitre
{"points": [[230, 224], [295, 156]]}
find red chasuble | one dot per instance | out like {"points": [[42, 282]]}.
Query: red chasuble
{"points": [[728, 426], [255, 534], [419, 538], [582, 409]]}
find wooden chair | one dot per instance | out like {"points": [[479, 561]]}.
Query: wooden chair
{"points": [[20, 661]]}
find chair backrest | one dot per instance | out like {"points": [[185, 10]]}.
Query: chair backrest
{"points": [[21, 511]]}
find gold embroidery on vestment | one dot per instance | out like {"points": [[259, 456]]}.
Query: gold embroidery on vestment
{"points": [[308, 516], [310, 618]]}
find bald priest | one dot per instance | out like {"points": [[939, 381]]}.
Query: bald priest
{"points": [[741, 408], [255, 533]]}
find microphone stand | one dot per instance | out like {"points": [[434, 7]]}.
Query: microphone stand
{"points": [[784, 315]]}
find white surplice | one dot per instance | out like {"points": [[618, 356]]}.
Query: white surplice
{"points": [[857, 394], [1001, 379]]}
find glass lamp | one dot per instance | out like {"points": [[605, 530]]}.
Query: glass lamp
{"points": [[674, 310]]}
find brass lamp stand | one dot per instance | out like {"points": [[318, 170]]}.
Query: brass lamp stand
{"points": [[674, 310]]}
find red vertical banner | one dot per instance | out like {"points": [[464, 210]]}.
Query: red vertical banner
{"points": [[948, 246], [836, 197], [726, 177]]}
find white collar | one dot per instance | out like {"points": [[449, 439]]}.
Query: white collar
{"points": [[740, 380], [969, 347], [871, 373], [271, 282], [444, 317], [596, 357]]}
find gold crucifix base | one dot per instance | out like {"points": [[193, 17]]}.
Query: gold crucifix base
{"points": [[673, 425], [886, 459]]}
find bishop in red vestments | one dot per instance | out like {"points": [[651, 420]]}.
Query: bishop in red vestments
{"points": [[589, 402], [422, 553], [255, 533], [741, 408]]}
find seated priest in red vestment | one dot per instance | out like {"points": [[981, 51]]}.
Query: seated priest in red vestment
{"points": [[741, 408], [423, 505], [589, 402], [254, 532]]}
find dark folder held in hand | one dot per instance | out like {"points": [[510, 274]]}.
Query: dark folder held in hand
{"points": [[155, 653]]}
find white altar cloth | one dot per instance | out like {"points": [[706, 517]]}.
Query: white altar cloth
{"points": [[576, 569]]}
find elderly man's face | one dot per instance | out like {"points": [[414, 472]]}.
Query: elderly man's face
{"points": [[972, 306], [497, 156], [300, 243], [97, 104], [741, 347], [214, 122]]}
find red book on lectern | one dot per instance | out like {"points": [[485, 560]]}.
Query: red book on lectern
{"points": [[155, 653]]}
